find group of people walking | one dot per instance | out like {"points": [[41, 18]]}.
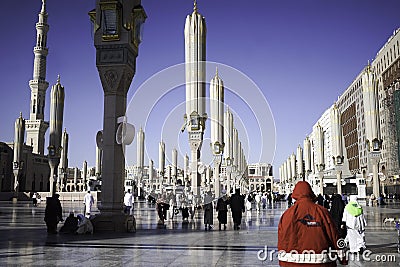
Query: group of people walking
{"points": [[167, 207]]}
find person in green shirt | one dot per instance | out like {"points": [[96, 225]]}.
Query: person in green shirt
{"points": [[353, 217]]}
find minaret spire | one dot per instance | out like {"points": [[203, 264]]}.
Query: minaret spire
{"points": [[43, 7], [36, 127], [195, 6]]}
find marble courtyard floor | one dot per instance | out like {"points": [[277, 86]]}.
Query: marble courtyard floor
{"points": [[24, 240]]}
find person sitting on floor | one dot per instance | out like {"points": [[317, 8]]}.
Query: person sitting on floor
{"points": [[70, 225], [85, 226]]}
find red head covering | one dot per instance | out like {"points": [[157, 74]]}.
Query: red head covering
{"points": [[303, 190]]}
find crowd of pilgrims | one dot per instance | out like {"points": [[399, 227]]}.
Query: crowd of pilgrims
{"points": [[169, 205]]}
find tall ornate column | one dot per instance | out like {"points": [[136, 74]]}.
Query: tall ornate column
{"points": [[56, 122], [293, 167], [372, 130], [299, 163], [195, 117], [228, 140], [161, 164], [18, 151], [217, 129], [307, 157], [84, 176], [337, 146], [319, 139], [117, 35], [140, 159], [62, 170]]}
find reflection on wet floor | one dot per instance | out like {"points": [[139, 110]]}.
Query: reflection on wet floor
{"points": [[24, 241]]}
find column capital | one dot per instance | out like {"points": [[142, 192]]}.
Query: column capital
{"points": [[116, 80]]}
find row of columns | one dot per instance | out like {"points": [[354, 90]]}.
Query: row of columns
{"points": [[313, 155]]}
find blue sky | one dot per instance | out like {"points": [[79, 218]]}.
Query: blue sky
{"points": [[302, 54]]}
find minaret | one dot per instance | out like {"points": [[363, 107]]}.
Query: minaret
{"points": [[56, 123], [217, 127], [372, 130], [36, 127], [18, 149], [62, 170], [195, 56], [140, 158]]}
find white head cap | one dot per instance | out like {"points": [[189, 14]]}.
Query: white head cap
{"points": [[353, 198]]}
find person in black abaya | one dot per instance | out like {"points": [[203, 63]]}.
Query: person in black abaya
{"points": [[336, 211], [208, 210], [237, 208], [53, 213], [222, 208]]}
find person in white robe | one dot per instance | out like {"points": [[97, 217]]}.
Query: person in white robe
{"points": [[88, 200], [353, 217]]}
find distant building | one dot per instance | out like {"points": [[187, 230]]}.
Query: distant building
{"points": [[260, 177], [6, 168], [35, 170], [357, 119]]}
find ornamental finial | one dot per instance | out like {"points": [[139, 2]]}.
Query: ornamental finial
{"points": [[195, 6], [43, 6]]}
